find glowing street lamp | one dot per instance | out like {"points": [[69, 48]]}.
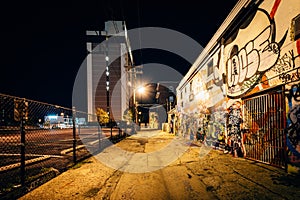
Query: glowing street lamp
{"points": [[140, 90]]}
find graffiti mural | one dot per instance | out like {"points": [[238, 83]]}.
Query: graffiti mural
{"points": [[254, 69], [247, 64], [188, 125], [293, 125], [287, 68], [234, 118], [293, 130], [258, 56], [234, 121], [285, 63]]}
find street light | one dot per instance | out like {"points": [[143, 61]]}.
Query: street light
{"points": [[140, 90]]}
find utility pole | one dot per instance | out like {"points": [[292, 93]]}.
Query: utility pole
{"points": [[134, 86], [105, 33]]}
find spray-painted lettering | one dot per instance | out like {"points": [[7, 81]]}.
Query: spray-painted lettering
{"points": [[257, 56], [285, 63], [290, 76]]}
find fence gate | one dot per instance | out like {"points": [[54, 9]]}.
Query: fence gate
{"points": [[264, 122]]}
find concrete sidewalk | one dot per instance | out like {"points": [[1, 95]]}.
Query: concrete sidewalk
{"points": [[197, 174]]}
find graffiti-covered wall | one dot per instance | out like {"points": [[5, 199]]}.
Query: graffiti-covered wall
{"points": [[255, 62], [201, 100], [263, 53]]}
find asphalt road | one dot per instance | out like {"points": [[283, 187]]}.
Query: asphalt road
{"points": [[48, 141], [46, 149]]}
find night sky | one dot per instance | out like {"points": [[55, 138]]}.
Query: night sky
{"points": [[43, 44]]}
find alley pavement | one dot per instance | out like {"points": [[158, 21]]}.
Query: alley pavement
{"points": [[199, 173]]}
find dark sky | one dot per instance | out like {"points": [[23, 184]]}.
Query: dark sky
{"points": [[43, 44]]}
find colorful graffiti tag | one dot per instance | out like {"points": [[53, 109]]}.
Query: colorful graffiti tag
{"points": [[246, 65], [260, 56], [234, 128], [286, 67], [293, 124]]}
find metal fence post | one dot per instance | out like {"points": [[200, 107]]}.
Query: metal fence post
{"points": [[74, 134], [22, 129], [22, 153]]}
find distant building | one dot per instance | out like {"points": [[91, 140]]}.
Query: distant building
{"points": [[99, 78]]}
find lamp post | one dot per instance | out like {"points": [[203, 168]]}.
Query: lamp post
{"points": [[140, 90], [134, 106]]}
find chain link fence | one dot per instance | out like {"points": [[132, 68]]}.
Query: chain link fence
{"points": [[38, 141]]}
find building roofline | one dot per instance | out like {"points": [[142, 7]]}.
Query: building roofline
{"points": [[211, 45]]}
